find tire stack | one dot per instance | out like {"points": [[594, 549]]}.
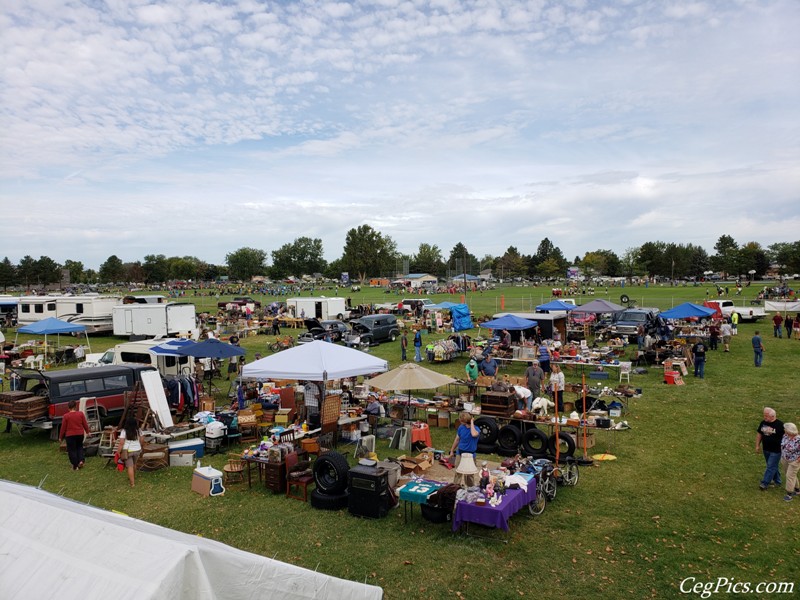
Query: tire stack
{"points": [[330, 476], [509, 440]]}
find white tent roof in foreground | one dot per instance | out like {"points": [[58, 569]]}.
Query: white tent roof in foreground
{"points": [[315, 361], [54, 546]]}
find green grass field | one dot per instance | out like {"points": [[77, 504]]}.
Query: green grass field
{"points": [[682, 499]]}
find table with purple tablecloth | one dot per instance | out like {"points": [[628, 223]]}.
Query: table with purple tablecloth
{"points": [[491, 516]]}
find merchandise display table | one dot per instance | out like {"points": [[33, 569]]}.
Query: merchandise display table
{"points": [[421, 433], [417, 492], [493, 516]]}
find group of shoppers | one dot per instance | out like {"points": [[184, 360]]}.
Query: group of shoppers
{"points": [[779, 442]]}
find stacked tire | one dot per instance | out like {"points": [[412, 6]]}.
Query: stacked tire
{"points": [[330, 476], [510, 440], [487, 442]]}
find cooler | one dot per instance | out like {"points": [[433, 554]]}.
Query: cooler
{"points": [[207, 481], [196, 444]]}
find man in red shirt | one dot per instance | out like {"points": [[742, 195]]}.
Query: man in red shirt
{"points": [[777, 322], [73, 426]]}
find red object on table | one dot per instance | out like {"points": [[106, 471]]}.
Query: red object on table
{"points": [[421, 434]]}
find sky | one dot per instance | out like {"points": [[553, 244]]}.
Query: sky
{"points": [[191, 128]]}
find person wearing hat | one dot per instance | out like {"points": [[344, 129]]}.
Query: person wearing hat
{"points": [[790, 454], [534, 377], [769, 435], [472, 371], [488, 365]]}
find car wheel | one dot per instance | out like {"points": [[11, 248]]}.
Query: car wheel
{"points": [[340, 316], [393, 336], [488, 430], [329, 501], [508, 438], [486, 448], [330, 473]]}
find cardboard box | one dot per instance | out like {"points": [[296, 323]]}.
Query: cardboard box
{"points": [[416, 465], [590, 440], [282, 418], [433, 421], [207, 404], [444, 422], [182, 458]]}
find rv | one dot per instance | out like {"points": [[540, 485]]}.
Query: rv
{"points": [[321, 308], [141, 353], [93, 312], [36, 308], [154, 320]]}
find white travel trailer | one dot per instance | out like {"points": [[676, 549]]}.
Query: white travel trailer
{"points": [[93, 312], [35, 308], [154, 320], [321, 308], [141, 353]]}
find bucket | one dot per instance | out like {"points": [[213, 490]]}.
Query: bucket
{"points": [[670, 377]]}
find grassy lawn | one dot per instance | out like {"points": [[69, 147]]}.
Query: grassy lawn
{"points": [[682, 499]]}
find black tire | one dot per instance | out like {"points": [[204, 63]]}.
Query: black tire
{"points": [[566, 444], [274, 347], [537, 507], [624, 299], [488, 429], [507, 451], [534, 443], [393, 336], [329, 501], [435, 514], [41, 390], [330, 473], [340, 316], [508, 438], [487, 448]]}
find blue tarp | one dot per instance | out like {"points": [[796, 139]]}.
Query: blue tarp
{"points": [[688, 310], [461, 319], [50, 326], [556, 305], [509, 322]]}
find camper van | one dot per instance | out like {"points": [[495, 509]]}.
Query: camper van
{"points": [[154, 320], [35, 308], [321, 308], [93, 312]]}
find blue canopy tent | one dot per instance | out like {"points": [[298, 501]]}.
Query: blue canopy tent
{"points": [[556, 305], [687, 310], [171, 347], [509, 322], [212, 348], [52, 326]]}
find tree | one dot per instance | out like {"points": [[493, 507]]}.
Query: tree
{"points": [[594, 264], [512, 264], [27, 272], [244, 263], [630, 262], [550, 268], [49, 271], [461, 261], [8, 273], [727, 257], [752, 257], [75, 268], [548, 251], [787, 255], [368, 252], [134, 272], [651, 258], [698, 262], [304, 256], [156, 268], [428, 259], [112, 270]]}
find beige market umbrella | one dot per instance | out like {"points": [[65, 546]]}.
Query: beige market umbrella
{"points": [[409, 376]]}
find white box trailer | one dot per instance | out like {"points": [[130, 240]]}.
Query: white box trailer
{"points": [[321, 308], [93, 312], [154, 320]]}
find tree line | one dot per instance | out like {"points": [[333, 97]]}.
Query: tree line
{"points": [[370, 253]]}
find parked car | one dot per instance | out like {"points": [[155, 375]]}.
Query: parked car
{"points": [[318, 329], [374, 329], [627, 322]]}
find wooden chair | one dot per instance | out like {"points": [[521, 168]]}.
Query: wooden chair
{"points": [[153, 457], [297, 485], [233, 471], [287, 437]]}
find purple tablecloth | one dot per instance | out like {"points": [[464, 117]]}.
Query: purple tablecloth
{"points": [[491, 516]]}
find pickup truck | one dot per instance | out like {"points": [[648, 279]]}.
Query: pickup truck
{"points": [[746, 313], [408, 305], [239, 301], [627, 323]]}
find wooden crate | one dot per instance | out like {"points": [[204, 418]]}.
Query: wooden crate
{"points": [[498, 404]]}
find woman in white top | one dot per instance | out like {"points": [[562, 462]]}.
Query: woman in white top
{"points": [[131, 447], [557, 382]]}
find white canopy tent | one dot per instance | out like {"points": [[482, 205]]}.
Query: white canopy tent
{"points": [[53, 546], [315, 361]]}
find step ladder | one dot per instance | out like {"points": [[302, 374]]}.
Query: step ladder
{"points": [[89, 407]]}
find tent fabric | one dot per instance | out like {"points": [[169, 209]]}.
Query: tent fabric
{"points": [[599, 306], [556, 305], [687, 310], [778, 306], [315, 361], [715, 307], [510, 322], [461, 317], [50, 326], [171, 347], [53, 546], [211, 348], [409, 376]]}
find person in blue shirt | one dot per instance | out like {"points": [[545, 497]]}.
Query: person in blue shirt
{"points": [[488, 366], [758, 349], [467, 435], [418, 346]]}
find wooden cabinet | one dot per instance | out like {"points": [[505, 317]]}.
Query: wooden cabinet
{"points": [[275, 476], [498, 404]]}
